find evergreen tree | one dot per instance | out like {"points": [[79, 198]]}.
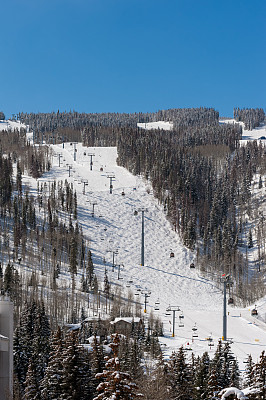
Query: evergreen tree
{"points": [[249, 372], [31, 385], [179, 376], [51, 388], [116, 385], [260, 377], [201, 376]]}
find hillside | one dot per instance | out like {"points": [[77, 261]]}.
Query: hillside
{"points": [[170, 280]]}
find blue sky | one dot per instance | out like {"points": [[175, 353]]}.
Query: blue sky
{"points": [[132, 55]]}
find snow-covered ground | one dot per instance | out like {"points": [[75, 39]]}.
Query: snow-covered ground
{"points": [[255, 134], [167, 126], [11, 125], [171, 281]]}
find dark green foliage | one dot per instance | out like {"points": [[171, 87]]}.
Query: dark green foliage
{"points": [[31, 342], [180, 377]]}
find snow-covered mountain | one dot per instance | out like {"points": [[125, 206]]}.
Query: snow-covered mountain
{"points": [[115, 228]]}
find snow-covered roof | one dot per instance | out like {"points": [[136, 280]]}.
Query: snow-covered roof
{"points": [[126, 319]]}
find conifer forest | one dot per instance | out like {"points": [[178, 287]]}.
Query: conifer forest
{"points": [[203, 178]]}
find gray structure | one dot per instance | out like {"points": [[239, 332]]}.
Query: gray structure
{"points": [[6, 348]]}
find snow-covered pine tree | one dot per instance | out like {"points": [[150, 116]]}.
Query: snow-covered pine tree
{"points": [[260, 377], [115, 385], [32, 391], [201, 375], [179, 375], [51, 383], [249, 372]]}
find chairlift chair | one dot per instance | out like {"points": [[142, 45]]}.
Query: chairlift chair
{"points": [[254, 311], [230, 300], [172, 254], [135, 212], [123, 193], [192, 265]]}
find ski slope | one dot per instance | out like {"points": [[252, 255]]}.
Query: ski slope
{"points": [[115, 229]]}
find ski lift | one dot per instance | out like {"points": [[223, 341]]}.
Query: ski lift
{"points": [[192, 265], [254, 311], [156, 307], [123, 193], [194, 331], [167, 313], [230, 300], [130, 281], [128, 284], [172, 254]]}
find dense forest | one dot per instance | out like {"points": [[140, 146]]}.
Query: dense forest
{"points": [[203, 178], [55, 365]]}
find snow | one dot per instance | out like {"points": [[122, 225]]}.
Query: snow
{"points": [[255, 134], [167, 126], [11, 125], [126, 319], [115, 228], [228, 391]]}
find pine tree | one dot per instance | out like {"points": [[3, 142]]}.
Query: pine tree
{"points": [[250, 239], [115, 385], [201, 376], [180, 376], [51, 383], [260, 377], [249, 372], [31, 385], [234, 379]]}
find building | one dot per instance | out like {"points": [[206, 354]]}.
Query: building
{"points": [[6, 348], [125, 325]]}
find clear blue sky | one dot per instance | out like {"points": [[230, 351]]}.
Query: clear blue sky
{"points": [[132, 55]]}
